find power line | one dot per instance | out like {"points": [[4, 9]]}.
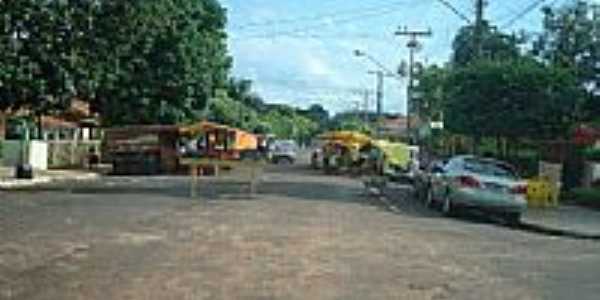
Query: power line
{"points": [[455, 10], [338, 36], [374, 13], [316, 17], [523, 13]]}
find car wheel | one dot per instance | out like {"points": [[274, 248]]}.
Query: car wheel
{"points": [[513, 218], [447, 207]]}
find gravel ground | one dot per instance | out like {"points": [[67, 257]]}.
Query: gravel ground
{"points": [[304, 236]]}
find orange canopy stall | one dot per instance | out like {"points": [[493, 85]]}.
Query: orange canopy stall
{"points": [[222, 142]]}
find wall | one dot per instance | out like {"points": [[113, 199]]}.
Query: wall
{"points": [[70, 154], [10, 153], [592, 173], [38, 155]]}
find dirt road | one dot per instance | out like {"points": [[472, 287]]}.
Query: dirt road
{"points": [[304, 236]]}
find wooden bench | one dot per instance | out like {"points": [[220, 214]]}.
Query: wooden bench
{"points": [[252, 168]]}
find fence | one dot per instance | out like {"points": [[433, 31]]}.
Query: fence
{"points": [[71, 154]]}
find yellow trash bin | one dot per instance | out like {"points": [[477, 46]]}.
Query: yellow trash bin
{"points": [[542, 193]]}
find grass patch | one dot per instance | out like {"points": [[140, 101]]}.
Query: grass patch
{"points": [[589, 197]]}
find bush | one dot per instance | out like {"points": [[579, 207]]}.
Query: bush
{"points": [[592, 154], [589, 197]]}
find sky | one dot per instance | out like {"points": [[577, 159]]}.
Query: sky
{"points": [[300, 52]]}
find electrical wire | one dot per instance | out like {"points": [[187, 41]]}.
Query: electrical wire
{"points": [[374, 13], [455, 10], [320, 17], [522, 14]]}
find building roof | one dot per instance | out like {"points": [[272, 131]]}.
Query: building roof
{"points": [[50, 122]]}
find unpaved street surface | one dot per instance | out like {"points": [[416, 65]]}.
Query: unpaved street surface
{"points": [[304, 236]]}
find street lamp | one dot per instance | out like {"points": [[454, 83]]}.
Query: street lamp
{"points": [[383, 72], [361, 53]]}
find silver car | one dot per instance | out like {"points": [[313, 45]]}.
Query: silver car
{"points": [[284, 152], [470, 182]]}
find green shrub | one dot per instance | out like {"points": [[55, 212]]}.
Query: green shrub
{"points": [[592, 154], [585, 196]]}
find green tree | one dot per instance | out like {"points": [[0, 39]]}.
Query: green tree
{"points": [[38, 54], [134, 61], [520, 98], [287, 124], [571, 40], [353, 121], [169, 58], [496, 45], [225, 110], [241, 90], [433, 89], [318, 114]]}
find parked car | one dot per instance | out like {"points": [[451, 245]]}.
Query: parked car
{"points": [[422, 179], [470, 182], [283, 152]]}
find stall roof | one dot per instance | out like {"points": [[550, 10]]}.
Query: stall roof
{"points": [[191, 129], [205, 126], [50, 122], [145, 129]]}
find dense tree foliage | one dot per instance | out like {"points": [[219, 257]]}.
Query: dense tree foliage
{"points": [[509, 93], [495, 45], [432, 87], [571, 40], [241, 90], [353, 121], [520, 98], [318, 114], [134, 61]]}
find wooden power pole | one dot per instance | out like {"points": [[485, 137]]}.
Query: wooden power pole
{"points": [[413, 44], [478, 31]]}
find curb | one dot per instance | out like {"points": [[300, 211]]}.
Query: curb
{"points": [[559, 232], [44, 182], [535, 227]]}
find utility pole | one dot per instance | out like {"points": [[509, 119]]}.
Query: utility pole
{"points": [[381, 75], [367, 94], [478, 31], [379, 94], [363, 108], [413, 44]]}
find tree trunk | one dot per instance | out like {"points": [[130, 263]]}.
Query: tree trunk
{"points": [[476, 142], [2, 125], [499, 146]]}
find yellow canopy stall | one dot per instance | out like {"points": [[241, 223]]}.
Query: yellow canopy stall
{"points": [[350, 139], [242, 140], [397, 154]]}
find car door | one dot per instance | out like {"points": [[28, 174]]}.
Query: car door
{"points": [[447, 178]]}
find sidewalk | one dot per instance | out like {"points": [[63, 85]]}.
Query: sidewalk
{"points": [[43, 178], [568, 219]]}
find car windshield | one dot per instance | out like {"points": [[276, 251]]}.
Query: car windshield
{"points": [[489, 168], [284, 148]]}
